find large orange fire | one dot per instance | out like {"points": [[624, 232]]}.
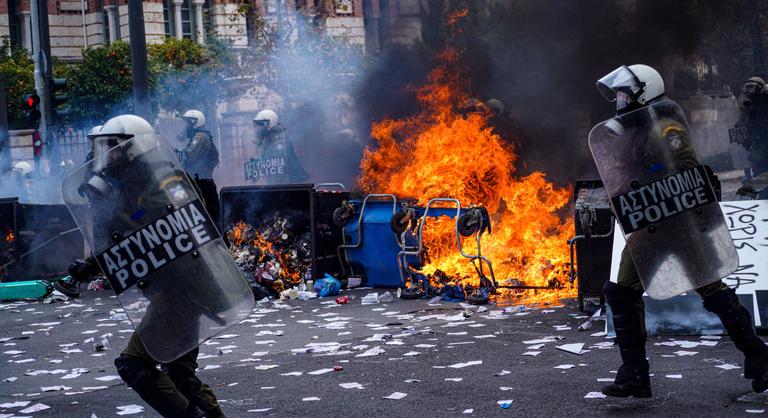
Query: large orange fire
{"points": [[441, 152]]}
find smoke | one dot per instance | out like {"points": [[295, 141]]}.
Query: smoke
{"points": [[542, 59]]}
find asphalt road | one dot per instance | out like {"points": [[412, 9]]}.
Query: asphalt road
{"points": [[446, 364]]}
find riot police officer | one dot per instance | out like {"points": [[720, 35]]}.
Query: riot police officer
{"points": [[276, 161], [199, 159], [650, 134], [122, 189], [753, 122]]}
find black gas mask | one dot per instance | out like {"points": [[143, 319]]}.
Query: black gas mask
{"points": [[753, 88], [261, 130], [191, 130]]}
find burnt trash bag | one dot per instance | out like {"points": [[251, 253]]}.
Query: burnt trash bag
{"points": [[81, 270], [479, 297], [260, 292], [416, 289], [452, 293], [413, 292]]}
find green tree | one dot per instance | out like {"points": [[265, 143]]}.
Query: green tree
{"points": [[100, 86], [18, 71], [185, 74]]}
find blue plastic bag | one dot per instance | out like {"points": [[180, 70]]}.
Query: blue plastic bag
{"points": [[327, 286]]}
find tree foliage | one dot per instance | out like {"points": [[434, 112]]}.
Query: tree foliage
{"points": [[185, 74], [100, 86], [18, 70], [293, 54]]}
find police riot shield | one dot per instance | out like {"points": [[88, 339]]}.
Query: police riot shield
{"points": [[663, 198], [157, 246], [272, 165]]}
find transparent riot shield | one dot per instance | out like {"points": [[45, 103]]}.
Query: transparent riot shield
{"points": [[154, 241], [663, 199]]}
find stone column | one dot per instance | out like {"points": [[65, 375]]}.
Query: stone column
{"points": [[112, 22], [177, 18], [199, 29], [25, 21]]}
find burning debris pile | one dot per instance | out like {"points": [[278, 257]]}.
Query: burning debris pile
{"points": [[270, 253], [444, 152]]}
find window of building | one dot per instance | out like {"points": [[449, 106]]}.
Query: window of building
{"points": [[168, 17], [188, 22], [105, 22]]}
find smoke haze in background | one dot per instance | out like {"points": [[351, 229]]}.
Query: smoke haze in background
{"points": [[542, 58]]}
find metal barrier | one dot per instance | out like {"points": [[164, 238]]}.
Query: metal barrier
{"points": [[70, 145], [478, 260]]}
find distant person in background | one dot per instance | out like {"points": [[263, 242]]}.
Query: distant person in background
{"points": [[276, 161], [751, 130], [199, 159]]}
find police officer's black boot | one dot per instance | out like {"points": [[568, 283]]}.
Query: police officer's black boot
{"points": [[738, 322], [627, 307]]}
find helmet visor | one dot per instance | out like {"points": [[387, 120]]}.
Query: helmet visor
{"points": [[102, 144], [620, 79]]}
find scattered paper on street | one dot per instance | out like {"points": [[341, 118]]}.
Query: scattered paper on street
{"points": [[396, 395]]}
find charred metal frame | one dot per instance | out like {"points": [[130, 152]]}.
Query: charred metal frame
{"points": [[419, 248]]}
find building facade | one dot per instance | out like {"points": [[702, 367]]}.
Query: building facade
{"points": [[78, 24]]}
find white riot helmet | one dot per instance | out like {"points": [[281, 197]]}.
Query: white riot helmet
{"points": [[631, 86], [496, 106], [195, 117], [94, 131], [23, 167], [116, 131], [266, 118]]}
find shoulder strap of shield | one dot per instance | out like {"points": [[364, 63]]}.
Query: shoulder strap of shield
{"points": [[716, 184]]}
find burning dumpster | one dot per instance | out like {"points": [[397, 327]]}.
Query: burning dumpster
{"points": [[385, 244], [442, 151], [40, 241], [281, 236]]}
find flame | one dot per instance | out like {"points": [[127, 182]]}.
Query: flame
{"points": [[242, 235], [441, 152], [9, 237]]}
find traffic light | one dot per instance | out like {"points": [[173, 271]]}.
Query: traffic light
{"points": [[30, 104], [60, 111], [37, 144]]}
